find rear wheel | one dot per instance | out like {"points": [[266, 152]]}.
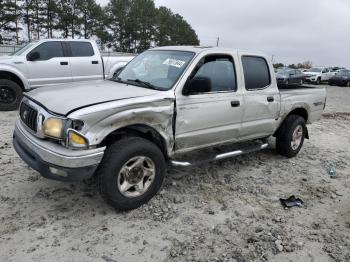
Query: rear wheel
{"points": [[290, 137], [348, 84], [10, 95], [131, 173]]}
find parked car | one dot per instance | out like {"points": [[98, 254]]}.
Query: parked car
{"points": [[164, 107], [335, 70], [317, 75], [52, 61], [342, 78], [290, 76]]}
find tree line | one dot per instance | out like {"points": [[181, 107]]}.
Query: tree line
{"points": [[306, 65], [124, 25]]}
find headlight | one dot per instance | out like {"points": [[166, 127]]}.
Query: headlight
{"points": [[53, 127], [77, 140]]}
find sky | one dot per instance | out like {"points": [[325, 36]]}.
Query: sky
{"points": [[290, 31]]}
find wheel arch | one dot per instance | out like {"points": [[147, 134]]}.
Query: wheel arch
{"points": [[5, 74], [140, 130], [300, 111]]}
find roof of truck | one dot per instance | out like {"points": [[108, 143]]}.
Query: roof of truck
{"points": [[199, 49]]}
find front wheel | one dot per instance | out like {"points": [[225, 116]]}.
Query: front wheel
{"points": [[10, 95], [318, 81], [348, 84], [131, 173], [290, 137]]}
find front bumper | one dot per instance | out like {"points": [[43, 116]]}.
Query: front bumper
{"points": [[53, 161], [311, 79]]}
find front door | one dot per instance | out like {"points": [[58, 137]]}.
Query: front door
{"points": [[51, 67], [212, 116]]}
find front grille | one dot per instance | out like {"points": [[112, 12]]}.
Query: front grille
{"points": [[29, 116]]}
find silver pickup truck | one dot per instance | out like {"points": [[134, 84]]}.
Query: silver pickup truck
{"points": [[166, 107], [53, 61]]}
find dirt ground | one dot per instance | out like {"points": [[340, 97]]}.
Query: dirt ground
{"points": [[227, 211]]}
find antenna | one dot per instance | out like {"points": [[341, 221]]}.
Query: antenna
{"points": [[217, 41]]}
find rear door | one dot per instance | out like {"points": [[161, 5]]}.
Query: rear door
{"points": [[261, 98], [85, 61], [52, 67], [211, 117]]}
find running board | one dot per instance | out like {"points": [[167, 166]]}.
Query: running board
{"points": [[221, 156]]}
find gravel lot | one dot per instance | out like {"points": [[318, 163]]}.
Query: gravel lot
{"points": [[226, 211]]}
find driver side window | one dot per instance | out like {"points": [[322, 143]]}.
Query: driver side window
{"points": [[49, 50], [219, 70]]}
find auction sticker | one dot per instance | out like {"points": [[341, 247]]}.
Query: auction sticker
{"points": [[174, 62]]}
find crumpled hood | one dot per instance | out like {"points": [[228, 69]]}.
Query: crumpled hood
{"points": [[64, 98]]}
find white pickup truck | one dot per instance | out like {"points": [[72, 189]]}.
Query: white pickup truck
{"points": [[52, 61], [317, 75], [170, 105]]}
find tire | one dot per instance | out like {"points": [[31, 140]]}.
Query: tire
{"points": [[116, 158], [10, 95], [348, 84], [318, 81], [287, 82], [301, 82], [284, 137]]}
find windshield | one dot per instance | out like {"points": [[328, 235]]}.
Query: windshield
{"points": [[23, 49], [155, 69], [314, 70]]}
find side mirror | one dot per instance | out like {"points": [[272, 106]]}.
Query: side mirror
{"points": [[199, 84], [33, 56]]}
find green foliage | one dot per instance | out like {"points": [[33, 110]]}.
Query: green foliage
{"points": [[278, 65], [9, 18], [306, 65], [125, 25]]}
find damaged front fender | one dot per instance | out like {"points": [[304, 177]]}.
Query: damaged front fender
{"points": [[156, 112]]}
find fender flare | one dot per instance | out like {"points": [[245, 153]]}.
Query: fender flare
{"points": [[10, 69]]}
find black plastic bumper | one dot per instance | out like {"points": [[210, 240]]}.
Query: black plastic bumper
{"points": [[46, 169]]}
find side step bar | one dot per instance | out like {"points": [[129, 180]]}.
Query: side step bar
{"points": [[221, 156]]}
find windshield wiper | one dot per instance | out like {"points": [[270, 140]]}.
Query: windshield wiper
{"points": [[144, 83], [119, 80]]}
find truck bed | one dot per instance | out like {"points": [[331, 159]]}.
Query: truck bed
{"points": [[309, 97]]}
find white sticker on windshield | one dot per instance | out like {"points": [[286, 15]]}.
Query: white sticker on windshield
{"points": [[174, 62]]}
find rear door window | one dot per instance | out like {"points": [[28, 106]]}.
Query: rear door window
{"points": [[81, 49], [256, 72]]}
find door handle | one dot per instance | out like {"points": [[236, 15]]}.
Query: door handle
{"points": [[235, 103], [270, 99], [94, 62], [64, 63]]}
